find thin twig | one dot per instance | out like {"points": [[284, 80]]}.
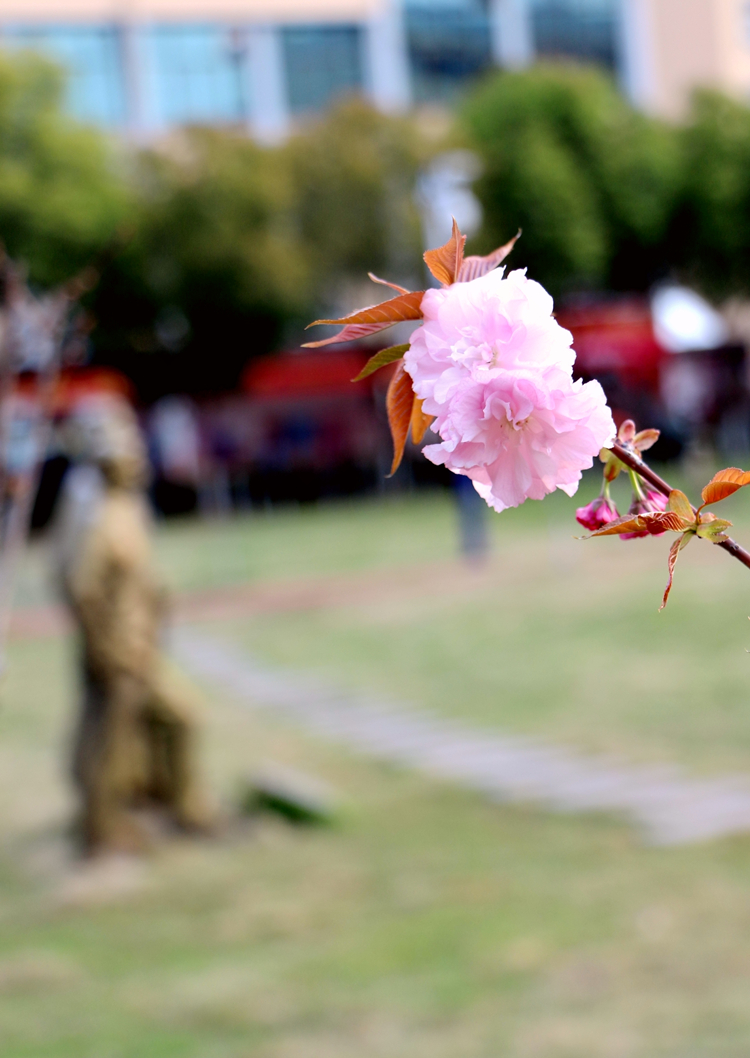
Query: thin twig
{"points": [[632, 460]]}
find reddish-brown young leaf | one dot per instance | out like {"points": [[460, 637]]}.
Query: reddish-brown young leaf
{"points": [[658, 522], [724, 484], [473, 266], [353, 332], [420, 421], [399, 402], [385, 283], [674, 551], [621, 525], [445, 262], [372, 319], [667, 522], [385, 356]]}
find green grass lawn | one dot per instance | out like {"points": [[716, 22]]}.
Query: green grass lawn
{"points": [[427, 922]]}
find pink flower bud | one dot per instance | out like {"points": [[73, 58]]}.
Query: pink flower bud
{"points": [[599, 512], [626, 433], [653, 501]]}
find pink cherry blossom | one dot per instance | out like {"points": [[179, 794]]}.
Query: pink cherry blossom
{"points": [[599, 512], [494, 367]]}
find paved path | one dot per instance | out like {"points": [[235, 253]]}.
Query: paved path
{"points": [[669, 808]]}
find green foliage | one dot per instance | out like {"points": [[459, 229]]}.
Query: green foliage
{"points": [[233, 243], [712, 233], [60, 203], [213, 267], [591, 181], [354, 175]]}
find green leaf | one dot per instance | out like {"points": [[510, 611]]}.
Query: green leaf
{"points": [[713, 529], [612, 465], [680, 504], [385, 356]]}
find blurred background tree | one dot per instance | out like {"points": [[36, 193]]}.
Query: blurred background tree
{"points": [[233, 245], [592, 182], [223, 248], [711, 233], [354, 176], [212, 270], [61, 199]]}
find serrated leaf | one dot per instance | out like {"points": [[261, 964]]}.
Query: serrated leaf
{"points": [[668, 521], [420, 421], [474, 267], [385, 283], [645, 439], [724, 484], [385, 356], [713, 528], [445, 262], [680, 504], [399, 401], [654, 523], [620, 525], [674, 551], [372, 319]]}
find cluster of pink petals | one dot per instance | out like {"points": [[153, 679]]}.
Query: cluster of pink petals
{"points": [[494, 367], [599, 512]]}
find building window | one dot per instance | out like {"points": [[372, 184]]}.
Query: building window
{"points": [[579, 29], [449, 45], [199, 74], [92, 58], [322, 63]]}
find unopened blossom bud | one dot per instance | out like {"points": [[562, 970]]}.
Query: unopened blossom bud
{"points": [[626, 433], [599, 512], [652, 502]]}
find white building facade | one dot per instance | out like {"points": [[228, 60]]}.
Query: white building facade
{"points": [[143, 66]]}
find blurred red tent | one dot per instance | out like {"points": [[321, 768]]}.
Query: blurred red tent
{"points": [[615, 340], [299, 375], [667, 363]]}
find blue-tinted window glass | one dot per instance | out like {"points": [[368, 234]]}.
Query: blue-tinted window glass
{"points": [[322, 62], [92, 56], [449, 46], [199, 73], [581, 29]]}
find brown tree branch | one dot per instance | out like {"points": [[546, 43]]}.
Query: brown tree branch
{"points": [[633, 460]]}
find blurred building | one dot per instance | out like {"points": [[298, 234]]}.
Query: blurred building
{"points": [[145, 65]]}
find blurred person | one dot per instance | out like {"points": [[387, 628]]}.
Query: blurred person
{"points": [[177, 454], [134, 745], [473, 527]]}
